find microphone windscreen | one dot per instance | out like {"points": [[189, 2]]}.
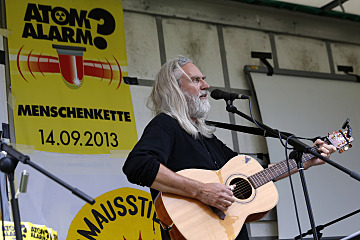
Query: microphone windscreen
{"points": [[216, 94]]}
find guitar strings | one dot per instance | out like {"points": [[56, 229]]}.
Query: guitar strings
{"points": [[242, 193], [242, 187]]}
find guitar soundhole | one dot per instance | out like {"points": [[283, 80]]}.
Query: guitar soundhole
{"points": [[243, 189]]}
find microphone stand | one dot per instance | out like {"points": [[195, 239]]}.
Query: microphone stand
{"points": [[321, 227], [300, 148], [8, 165], [244, 129]]}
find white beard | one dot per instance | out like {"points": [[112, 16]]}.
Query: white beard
{"points": [[198, 108]]}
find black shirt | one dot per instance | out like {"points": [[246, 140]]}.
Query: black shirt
{"points": [[165, 141]]}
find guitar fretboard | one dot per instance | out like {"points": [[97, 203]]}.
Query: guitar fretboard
{"points": [[260, 178]]}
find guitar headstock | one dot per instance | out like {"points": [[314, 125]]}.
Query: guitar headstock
{"points": [[340, 140]]}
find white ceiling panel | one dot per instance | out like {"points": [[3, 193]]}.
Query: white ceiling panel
{"points": [[346, 9], [351, 6], [312, 3]]}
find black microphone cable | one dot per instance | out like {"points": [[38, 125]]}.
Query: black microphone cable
{"points": [[285, 145], [291, 183], [256, 123]]}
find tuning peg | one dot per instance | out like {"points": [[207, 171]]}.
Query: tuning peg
{"points": [[349, 133], [341, 151], [350, 145]]}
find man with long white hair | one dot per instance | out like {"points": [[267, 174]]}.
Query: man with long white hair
{"points": [[177, 138]]}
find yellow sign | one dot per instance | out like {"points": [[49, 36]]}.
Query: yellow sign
{"points": [[124, 213], [67, 61], [29, 231]]}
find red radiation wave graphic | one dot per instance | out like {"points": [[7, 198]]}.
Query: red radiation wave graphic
{"points": [[18, 63], [38, 63]]}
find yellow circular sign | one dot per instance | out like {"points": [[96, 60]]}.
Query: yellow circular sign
{"points": [[124, 213]]}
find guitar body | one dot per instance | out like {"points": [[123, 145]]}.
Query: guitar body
{"points": [[191, 219]]}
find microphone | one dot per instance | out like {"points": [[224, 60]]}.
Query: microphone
{"points": [[218, 94]]}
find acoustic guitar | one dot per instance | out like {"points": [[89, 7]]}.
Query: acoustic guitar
{"points": [[255, 193]]}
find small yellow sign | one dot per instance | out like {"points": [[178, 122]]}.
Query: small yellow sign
{"points": [[29, 231]]}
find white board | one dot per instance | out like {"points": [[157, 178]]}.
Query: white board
{"points": [[310, 107]]}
